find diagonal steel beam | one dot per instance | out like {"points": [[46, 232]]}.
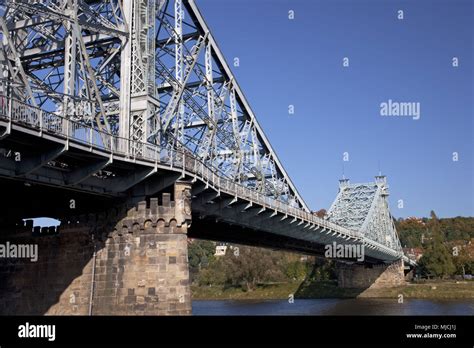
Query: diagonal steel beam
{"points": [[29, 165], [79, 175]]}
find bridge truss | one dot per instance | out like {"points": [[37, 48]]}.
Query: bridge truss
{"points": [[148, 71], [364, 208]]}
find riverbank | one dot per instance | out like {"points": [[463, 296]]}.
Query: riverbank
{"points": [[329, 289], [429, 290]]}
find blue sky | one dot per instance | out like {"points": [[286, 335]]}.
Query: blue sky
{"points": [[337, 109]]}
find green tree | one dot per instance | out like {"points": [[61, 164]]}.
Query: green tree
{"points": [[295, 270], [323, 270], [213, 274], [437, 259], [251, 266], [410, 232], [458, 228], [200, 255]]}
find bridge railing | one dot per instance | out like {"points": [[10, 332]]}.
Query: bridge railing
{"points": [[25, 114]]}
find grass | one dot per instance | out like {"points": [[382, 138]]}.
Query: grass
{"points": [[329, 289], [429, 290], [266, 292]]}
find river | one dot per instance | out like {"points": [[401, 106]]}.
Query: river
{"points": [[334, 307]]}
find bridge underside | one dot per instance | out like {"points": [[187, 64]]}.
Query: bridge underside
{"points": [[115, 209], [37, 200], [210, 229], [59, 177], [117, 257]]}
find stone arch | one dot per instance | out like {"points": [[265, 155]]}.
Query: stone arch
{"points": [[147, 224], [173, 226], [160, 225]]}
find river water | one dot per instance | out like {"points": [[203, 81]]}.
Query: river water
{"points": [[334, 307]]}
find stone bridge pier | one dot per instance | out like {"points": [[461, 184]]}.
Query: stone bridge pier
{"points": [[129, 260], [366, 276]]}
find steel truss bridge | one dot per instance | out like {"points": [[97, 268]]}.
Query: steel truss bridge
{"points": [[120, 97]]}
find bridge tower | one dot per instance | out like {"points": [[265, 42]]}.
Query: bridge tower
{"points": [[364, 208], [144, 72]]}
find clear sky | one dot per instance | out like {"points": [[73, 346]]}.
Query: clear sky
{"points": [[337, 109]]}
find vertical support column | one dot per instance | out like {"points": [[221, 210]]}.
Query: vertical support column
{"points": [[69, 61], [125, 77], [143, 269], [178, 41], [238, 153], [138, 74], [210, 80], [206, 147]]}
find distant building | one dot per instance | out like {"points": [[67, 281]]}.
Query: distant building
{"points": [[416, 219], [413, 253], [220, 250]]}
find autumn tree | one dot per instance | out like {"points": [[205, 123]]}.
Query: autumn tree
{"points": [[321, 213], [463, 263]]}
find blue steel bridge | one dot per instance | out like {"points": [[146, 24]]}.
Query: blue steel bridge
{"points": [[112, 100]]}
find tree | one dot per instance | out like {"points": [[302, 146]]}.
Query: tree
{"points": [[251, 266], [296, 270], [458, 228], [410, 232], [436, 260], [321, 213], [200, 254], [213, 274], [323, 270], [462, 261]]}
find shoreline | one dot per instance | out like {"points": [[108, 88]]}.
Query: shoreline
{"points": [[434, 290]]}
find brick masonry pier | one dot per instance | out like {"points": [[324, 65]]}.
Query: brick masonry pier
{"points": [[371, 276]]}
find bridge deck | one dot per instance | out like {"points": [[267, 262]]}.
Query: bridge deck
{"points": [[214, 195]]}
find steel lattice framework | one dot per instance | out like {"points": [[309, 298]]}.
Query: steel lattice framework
{"points": [[143, 82], [145, 70], [364, 208]]}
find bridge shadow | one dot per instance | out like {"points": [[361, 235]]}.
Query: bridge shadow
{"points": [[317, 285], [60, 281], [61, 275]]}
